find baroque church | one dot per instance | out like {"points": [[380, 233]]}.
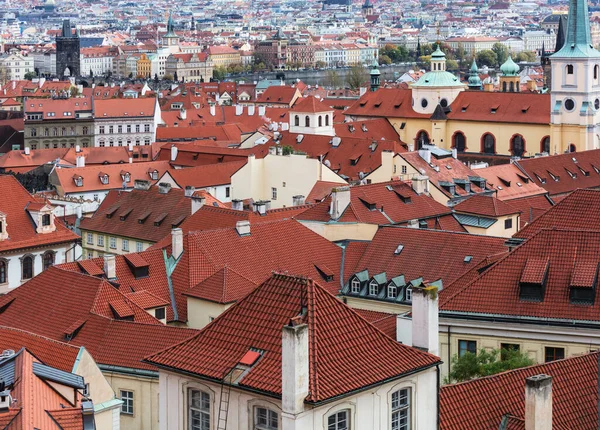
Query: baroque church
{"points": [[439, 109]]}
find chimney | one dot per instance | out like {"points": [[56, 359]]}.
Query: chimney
{"points": [[538, 402], [5, 398], [413, 223], [243, 227], [176, 242], [27, 150], [213, 110], [239, 109], [425, 155], [130, 147], [77, 149], [164, 188], [130, 160], [340, 199], [183, 113], [197, 203], [141, 184], [262, 110], [174, 151], [294, 369], [298, 200], [420, 184], [79, 212], [260, 207], [80, 161], [454, 153], [189, 190], [251, 109], [110, 266], [237, 205], [425, 323]]}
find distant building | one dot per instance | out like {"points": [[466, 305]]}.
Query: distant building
{"points": [[15, 66], [67, 52]]}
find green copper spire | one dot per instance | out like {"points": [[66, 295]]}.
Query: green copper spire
{"points": [[375, 75], [474, 79], [170, 27], [578, 43], [510, 68]]}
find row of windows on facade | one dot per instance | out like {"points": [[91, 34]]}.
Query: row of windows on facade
{"points": [[55, 145], [27, 266], [55, 131], [128, 128], [551, 353], [199, 412], [307, 121], [487, 143], [392, 292], [111, 142], [112, 242]]}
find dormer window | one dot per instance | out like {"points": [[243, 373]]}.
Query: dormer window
{"points": [[532, 284], [373, 288], [3, 231], [104, 179], [408, 295], [153, 175], [392, 291], [355, 285], [46, 220], [78, 181], [582, 286]]}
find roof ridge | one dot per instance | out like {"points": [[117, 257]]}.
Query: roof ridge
{"points": [[32, 334]]}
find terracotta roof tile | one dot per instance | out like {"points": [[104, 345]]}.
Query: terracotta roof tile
{"points": [[310, 104], [224, 286], [485, 206], [118, 108], [209, 175], [146, 300], [509, 182], [385, 102]]}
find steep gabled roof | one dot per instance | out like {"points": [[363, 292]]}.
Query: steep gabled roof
{"points": [[385, 102], [510, 182], [224, 286], [310, 104], [338, 339], [485, 206]]}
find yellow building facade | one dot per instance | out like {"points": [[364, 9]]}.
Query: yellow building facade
{"points": [[144, 67]]}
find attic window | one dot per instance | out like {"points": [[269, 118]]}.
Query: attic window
{"points": [[532, 284], [104, 179], [354, 161], [78, 181], [159, 219], [370, 205], [468, 259], [556, 178], [325, 272], [362, 104], [582, 287], [143, 217], [539, 178], [111, 211], [178, 221], [464, 108], [399, 249], [123, 216], [397, 106], [493, 110], [571, 174], [525, 109], [402, 126]]}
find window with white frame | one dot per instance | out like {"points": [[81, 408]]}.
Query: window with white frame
{"points": [[90, 238], [339, 420], [401, 409], [127, 398], [113, 242], [139, 247], [126, 245], [147, 128], [198, 410], [408, 297], [100, 240], [392, 291], [373, 288], [265, 419], [355, 286], [273, 193]]}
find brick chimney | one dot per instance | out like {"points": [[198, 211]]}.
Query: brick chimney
{"points": [[110, 266], [294, 371], [538, 402], [176, 242], [425, 322], [340, 199]]}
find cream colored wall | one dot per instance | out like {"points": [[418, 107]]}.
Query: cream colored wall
{"points": [[290, 174], [145, 400], [342, 231], [376, 305], [497, 229], [98, 251], [201, 311], [562, 136], [411, 128], [100, 389]]}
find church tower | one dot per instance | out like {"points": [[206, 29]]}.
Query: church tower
{"points": [[170, 40], [375, 75], [575, 91], [510, 81], [367, 8], [474, 79], [67, 52]]}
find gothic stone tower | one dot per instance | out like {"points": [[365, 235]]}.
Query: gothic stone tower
{"points": [[67, 52]]}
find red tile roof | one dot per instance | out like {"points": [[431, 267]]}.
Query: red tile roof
{"points": [[497, 290], [483, 402], [67, 419], [531, 207], [118, 108], [310, 104], [320, 191], [59, 108], [561, 174], [525, 108], [132, 214], [21, 230], [485, 206], [278, 95], [146, 300], [567, 214], [372, 129], [509, 182], [383, 321], [208, 175], [343, 365], [385, 103], [416, 260], [224, 286]]}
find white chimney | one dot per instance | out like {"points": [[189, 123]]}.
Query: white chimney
{"points": [[454, 153], [425, 155], [239, 109], [130, 160], [260, 207], [294, 370], [183, 113], [164, 188], [197, 203], [340, 199], [110, 266], [251, 110], [538, 402], [298, 200], [213, 110], [176, 242], [27, 150], [130, 146], [420, 184], [237, 205], [189, 190], [243, 227], [5, 397], [77, 149], [80, 161], [425, 323], [174, 151], [262, 110], [79, 212]]}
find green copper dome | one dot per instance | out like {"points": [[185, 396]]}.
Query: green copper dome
{"points": [[438, 79], [474, 80], [375, 67], [510, 68], [438, 54]]}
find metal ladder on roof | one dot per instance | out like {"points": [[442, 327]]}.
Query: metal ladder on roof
{"points": [[224, 400]]}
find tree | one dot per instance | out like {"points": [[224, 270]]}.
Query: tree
{"points": [[91, 73], [486, 363], [460, 54], [168, 78], [219, 73], [29, 76], [527, 56], [501, 52], [156, 78], [425, 60], [74, 91], [131, 75], [452, 65], [384, 59], [287, 150], [320, 64], [487, 57], [175, 77], [333, 79], [357, 75]]}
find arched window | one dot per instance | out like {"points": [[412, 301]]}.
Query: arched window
{"points": [[265, 419], [459, 141], [569, 69], [297, 121], [421, 139], [355, 286], [572, 148], [27, 267], [545, 145], [198, 409], [320, 121], [596, 71], [307, 121], [517, 145], [504, 86], [401, 410], [373, 288], [63, 131], [48, 259], [488, 144], [3, 271], [339, 420], [327, 120], [512, 87]]}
